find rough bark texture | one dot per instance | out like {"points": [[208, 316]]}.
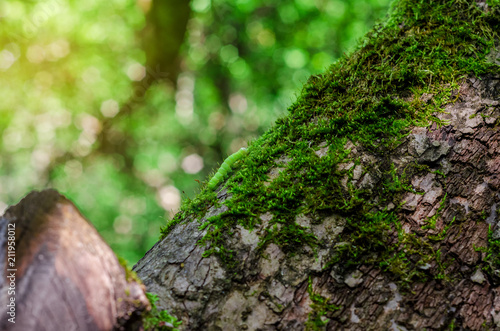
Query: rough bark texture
{"points": [[66, 276], [274, 290]]}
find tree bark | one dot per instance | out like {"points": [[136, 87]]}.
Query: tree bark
{"points": [[274, 290], [61, 275], [440, 269]]}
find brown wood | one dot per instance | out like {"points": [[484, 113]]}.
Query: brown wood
{"points": [[67, 277]]}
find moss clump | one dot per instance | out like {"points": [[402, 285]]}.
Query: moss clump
{"points": [[317, 318], [159, 320], [492, 258], [130, 274], [370, 98]]}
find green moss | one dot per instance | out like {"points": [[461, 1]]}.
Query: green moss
{"points": [[452, 326], [396, 184], [159, 320], [371, 98], [442, 234], [288, 236], [431, 221], [321, 307], [492, 258], [130, 275]]}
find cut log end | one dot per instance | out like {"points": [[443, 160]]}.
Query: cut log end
{"points": [[61, 275]]}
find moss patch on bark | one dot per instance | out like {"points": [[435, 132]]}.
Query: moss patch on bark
{"points": [[403, 73]]}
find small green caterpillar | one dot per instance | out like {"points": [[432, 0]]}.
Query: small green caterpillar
{"points": [[225, 167]]}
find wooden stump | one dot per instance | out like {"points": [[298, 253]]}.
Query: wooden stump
{"points": [[59, 274]]}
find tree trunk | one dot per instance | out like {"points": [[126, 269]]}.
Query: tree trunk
{"points": [[353, 213]]}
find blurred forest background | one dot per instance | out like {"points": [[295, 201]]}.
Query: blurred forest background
{"points": [[126, 106]]}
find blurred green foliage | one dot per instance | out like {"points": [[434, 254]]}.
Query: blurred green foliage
{"points": [[75, 79]]}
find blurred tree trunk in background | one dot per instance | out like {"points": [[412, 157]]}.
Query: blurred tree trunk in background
{"points": [[161, 39], [353, 213]]}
